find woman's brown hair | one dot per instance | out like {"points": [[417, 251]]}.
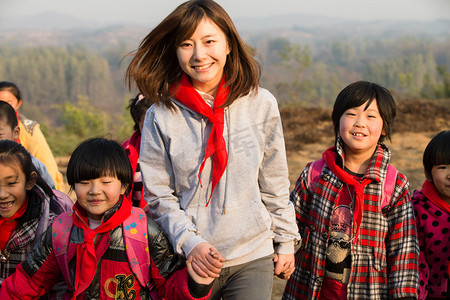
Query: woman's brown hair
{"points": [[155, 67]]}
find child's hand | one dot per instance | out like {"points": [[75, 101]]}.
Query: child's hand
{"points": [[195, 276], [284, 265], [206, 260]]}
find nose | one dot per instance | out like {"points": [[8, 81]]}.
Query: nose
{"points": [[94, 189], [199, 52], [3, 194], [359, 122]]}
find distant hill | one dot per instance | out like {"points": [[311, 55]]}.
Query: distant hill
{"points": [[59, 29]]}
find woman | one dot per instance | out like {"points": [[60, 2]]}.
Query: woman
{"points": [[212, 152]]}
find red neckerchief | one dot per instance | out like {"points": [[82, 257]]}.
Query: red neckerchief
{"points": [[330, 156], [7, 225], [186, 94], [86, 262], [429, 191]]}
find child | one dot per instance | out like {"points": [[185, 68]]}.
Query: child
{"points": [[27, 206], [31, 136], [138, 107], [212, 153], [355, 245], [432, 208], [10, 130], [100, 249]]}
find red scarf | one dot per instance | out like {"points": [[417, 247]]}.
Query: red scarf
{"points": [[330, 156], [429, 191], [216, 147], [86, 256], [7, 225]]}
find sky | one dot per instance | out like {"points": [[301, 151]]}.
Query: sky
{"points": [[153, 11]]}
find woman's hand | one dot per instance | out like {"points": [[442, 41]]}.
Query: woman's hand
{"points": [[205, 260], [284, 265]]}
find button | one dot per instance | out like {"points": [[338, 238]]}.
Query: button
{"points": [[312, 227], [319, 280], [326, 177], [325, 235], [339, 185]]}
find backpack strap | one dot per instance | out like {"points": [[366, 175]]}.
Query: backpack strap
{"points": [[63, 200], [135, 234], [388, 186], [61, 228], [315, 169]]}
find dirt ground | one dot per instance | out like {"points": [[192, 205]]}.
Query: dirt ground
{"points": [[308, 132]]}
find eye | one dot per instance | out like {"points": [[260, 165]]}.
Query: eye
{"points": [[442, 167], [83, 182], [12, 183], [185, 44]]}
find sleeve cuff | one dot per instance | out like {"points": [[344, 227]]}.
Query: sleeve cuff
{"points": [[285, 248], [198, 290]]}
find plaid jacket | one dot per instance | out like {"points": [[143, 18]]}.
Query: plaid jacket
{"points": [[384, 260], [39, 213]]}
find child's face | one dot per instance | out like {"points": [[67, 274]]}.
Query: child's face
{"points": [[6, 133], [361, 128], [98, 195], [9, 98], [203, 56], [13, 189], [440, 177]]}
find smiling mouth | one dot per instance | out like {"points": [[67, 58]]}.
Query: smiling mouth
{"points": [[358, 134], [199, 68], [6, 205]]}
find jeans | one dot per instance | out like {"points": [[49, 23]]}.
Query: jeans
{"points": [[252, 280]]}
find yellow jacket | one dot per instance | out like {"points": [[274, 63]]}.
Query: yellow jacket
{"points": [[33, 140]]}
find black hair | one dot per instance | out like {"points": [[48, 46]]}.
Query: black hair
{"points": [[360, 92], [8, 114], [97, 157], [13, 154], [437, 152], [138, 106], [12, 88]]}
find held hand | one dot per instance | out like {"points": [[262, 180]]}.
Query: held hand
{"points": [[195, 276], [284, 265], [206, 260]]}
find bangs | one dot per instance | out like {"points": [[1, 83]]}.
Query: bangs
{"points": [[96, 158], [189, 23], [93, 165]]}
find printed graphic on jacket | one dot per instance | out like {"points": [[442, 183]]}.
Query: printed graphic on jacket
{"points": [[338, 262]]}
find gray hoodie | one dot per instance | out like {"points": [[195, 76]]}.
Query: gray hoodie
{"points": [[249, 209]]}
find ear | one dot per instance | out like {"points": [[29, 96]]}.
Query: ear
{"points": [[429, 177], [16, 133], [123, 189], [31, 181], [228, 48], [19, 104]]}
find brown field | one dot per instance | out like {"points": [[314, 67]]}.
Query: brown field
{"points": [[308, 132]]}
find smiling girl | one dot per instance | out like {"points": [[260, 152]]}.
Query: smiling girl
{"points": [[212, 152], [358, 241], [27, 206]]}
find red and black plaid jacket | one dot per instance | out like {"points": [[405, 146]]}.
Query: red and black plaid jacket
{"points": [[385, 257]]}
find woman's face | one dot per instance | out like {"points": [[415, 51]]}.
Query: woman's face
{"points": [[9, 98], [203, 56]]}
